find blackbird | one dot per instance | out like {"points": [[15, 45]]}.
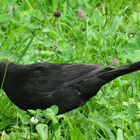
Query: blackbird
{"points": [[41, 85]]}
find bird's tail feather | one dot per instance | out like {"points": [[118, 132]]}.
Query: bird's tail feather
{"points": [[114, 73]]}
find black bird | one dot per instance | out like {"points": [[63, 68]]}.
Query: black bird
{"points": [[40, 85]]}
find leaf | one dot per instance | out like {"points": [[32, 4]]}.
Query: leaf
{"points": [[134, 56], [51, 113], [76, 134], [54, 109], [130, 47], [132, 111], [3, 137], [118, 4], [132, 51], [106, 129], [136, 137], [120, 134], [4, 18], [137, 41], [98, 19], [116, 23], [23, 116], [42, 131]]}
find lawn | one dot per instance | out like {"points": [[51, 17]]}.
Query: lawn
{"points": [[67, 31]]}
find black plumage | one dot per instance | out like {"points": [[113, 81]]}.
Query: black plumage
{"points": [[40, 85]]}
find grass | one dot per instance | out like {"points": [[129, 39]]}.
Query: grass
{"points": [[106, 30]]}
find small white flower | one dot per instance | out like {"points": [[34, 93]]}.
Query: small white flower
{"points": [[34, 120]]}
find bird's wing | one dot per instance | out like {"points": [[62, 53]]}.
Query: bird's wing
{"points": [[56, 75], [77, 73], [67, 98], [43, 79]]}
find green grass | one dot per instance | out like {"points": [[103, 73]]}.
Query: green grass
{"points": [[109, 30]]}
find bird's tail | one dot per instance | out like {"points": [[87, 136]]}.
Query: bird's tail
{"points": [[109, 75]]}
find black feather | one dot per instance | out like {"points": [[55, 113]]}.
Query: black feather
{"points": [[69, 86]]}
